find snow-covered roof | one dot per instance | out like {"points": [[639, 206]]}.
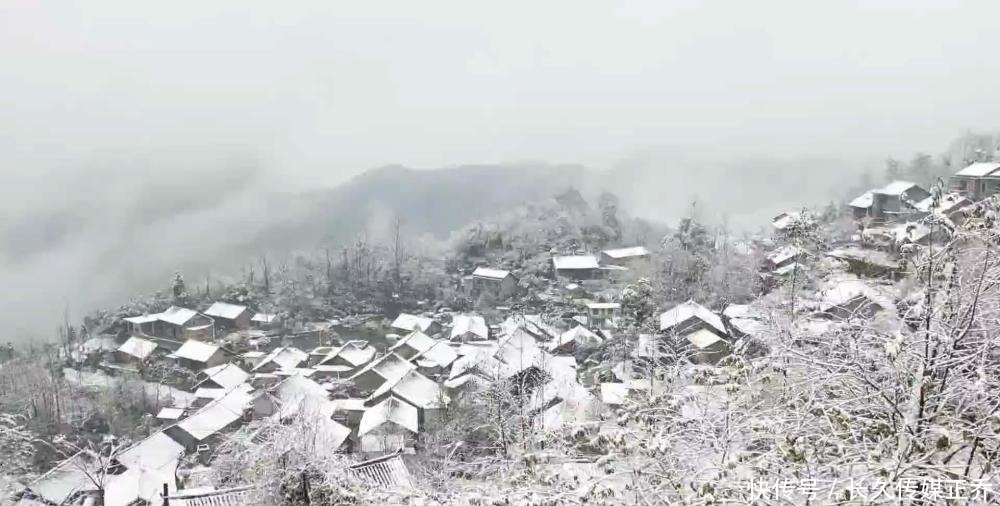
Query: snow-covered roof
{"points": [[389, 410], [783, 254], [63, 480], [196, 351], [462, 325], [688, 310], [225, 310], [218, 414], [416, 340], [209, 393], [170, 413], [844, 291], [138, 320], [579, 334], [614, 394], [440, 355], [411, 322], [287, 357], [863, 201], [154, 452], [296, 391], [149, 464], [486, 272], [784, 220], [872, 257], [416, 389], [703, 338], [390, 367], [635, 251], [788, 269], [177, 315], [749, 326], [575, 262], [226, 376], [603, 305], [356, 353], [980, 169], [263, 317], [895, 188], [137, 347], [518, 352]]}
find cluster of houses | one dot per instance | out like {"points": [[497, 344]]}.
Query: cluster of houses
{"points": [[375, 401], [372, 401], [891, 219], [502, 284]]}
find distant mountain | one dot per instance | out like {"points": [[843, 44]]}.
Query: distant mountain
{"points": [[434, 202]]}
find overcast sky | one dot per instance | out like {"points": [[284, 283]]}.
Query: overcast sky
{"points": [[103, 100], [320, 88]]}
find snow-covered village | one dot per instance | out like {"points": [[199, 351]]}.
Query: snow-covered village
{"points": [[561, 352]]}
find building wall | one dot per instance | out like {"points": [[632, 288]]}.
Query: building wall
{"points": [[577, 274]]}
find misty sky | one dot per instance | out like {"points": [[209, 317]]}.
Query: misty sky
{"points": [[327, 86], [110, 100]]}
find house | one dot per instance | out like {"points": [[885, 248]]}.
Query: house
{"points": [[225, 377], [576, 267], [690, 315], [286, 357], [577, 337], [977, 181], [868, 262], [469, 328], [251, 359], [709, 347], [142, 325], [353, 354], [786, 221], [416, 389], [135, 349], [893, 202], [138, 475], [311, 335], [408, 323], [388, 426], [176, 323], [198, 355], [67, 480], [180, 323], [196, 432], [348, 411], [783, 256], [601, 313], [499, 283], [949, 206], [702, 329], [230, 316], [263, 321], [625, 257], [387, 368], [413, 344], [435, 360], [149, 465], [849, 299], [170, 414]]}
